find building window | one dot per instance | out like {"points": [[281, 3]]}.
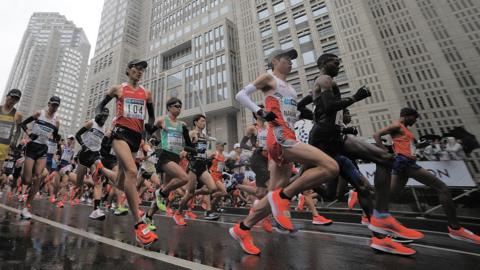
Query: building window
{"points": [[286, 44], [262, 14], [301, 19], [282, 26], [308, 57], [266, 32], [278, 7], [294, 2], [304, 39], [321, 10]]}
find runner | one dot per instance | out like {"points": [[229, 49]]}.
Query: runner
{"points": [[45, 126], [283, 149], [9, 121], [132, 103], [326, 134], [405, 167]]}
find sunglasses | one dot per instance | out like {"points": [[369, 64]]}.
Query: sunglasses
{"points": [[178, 106]]}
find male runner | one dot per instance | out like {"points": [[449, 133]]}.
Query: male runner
{"points": [[283, 149], [132, 103], [405, 167], [9, 121]]}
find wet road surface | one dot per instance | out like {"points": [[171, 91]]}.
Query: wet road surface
{"points": [[89, 244]]}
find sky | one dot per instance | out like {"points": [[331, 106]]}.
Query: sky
{"points": [[14, 16]]}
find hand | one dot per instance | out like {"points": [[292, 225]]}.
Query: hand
{"points": [[362, 93], [350, 130], [32, 136], [268, 116]]}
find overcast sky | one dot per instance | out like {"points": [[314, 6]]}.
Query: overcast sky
{"points": [[14, 16]]}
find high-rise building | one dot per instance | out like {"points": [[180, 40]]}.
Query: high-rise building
{"points": [[119, 41], [52, 60]]}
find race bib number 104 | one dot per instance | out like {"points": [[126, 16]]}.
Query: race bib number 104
{"points": [[134, 108]]}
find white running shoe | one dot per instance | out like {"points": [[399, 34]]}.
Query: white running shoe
{"points": [[25, 214], [97, 214]]}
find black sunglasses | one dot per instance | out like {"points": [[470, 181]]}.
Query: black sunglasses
{"points": [[178, 106]]}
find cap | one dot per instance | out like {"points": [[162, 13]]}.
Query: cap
{"points": [[237, 145], [54, 100], [409, 112], [15, 93], [279, 52], [137, 62], [220, 143], [70, 137]]}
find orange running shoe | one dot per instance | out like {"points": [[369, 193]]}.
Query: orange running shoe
{"points": [[189, 214], [391, 226], [463, 234], [179, 219], [245, 239], [96, 173], [301, 203], [365, 221], [52, 199], [352, 198], [141, 213], [171, 196], [144, 236], [280, 209], [60, 204], [321, 220], [267, 225], [388, 245]]}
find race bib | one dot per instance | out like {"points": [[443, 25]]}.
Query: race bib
{"points": [[289, 110], [413, 149], [220, 166], [175, 141], [42, 131], [339, 118], [5, 130], [9, 164], [134, 108]]}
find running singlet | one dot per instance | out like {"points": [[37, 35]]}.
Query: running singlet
{"points": [[44, 127], [7, 124], [283, 103], [67, 154], [403, 144], [92, 139], [261, 137], [131, 107], [172, 137], [52, 147], [201, 146], [218, 165]]}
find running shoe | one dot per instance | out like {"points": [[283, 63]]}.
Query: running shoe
{"points": [[321, 220], [96, 174], [280, 209], [121, 211], [60, 204], [211, 216], [52, 199], [365, 220], [388, 245], [178, 218], [267, 225], [151, 226], [352, 198], [140, 212], [463, 234], [97, 214], [25, 214], [160, 200], [245, 239], [189, 214], [144, 236], [301, 203], [390, 226]]}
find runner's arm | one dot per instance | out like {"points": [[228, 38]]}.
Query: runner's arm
{"points": [[78, 136], [249, 136], [391, 129], [27, 121], [18, 129], [324, 85], [108, 97]]}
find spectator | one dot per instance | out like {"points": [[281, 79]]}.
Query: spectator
{"points": [[454, 149]]}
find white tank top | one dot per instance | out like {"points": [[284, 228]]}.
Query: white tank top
{"points": [[52, 147], [44, 127], [92, 139], [67, 153], [287, 98], [262, 137]]}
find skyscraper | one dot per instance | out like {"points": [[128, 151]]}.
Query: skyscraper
{"points": [[52, 60]]}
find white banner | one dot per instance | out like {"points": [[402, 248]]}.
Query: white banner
{"points": [[454, 173]]}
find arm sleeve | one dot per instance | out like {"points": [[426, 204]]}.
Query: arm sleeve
{"points": [[331, 104], [27, 121], [151, 113], [243, 143], [304, 102], [102, 104], [78, 135], [186, 137], [244, 98]]}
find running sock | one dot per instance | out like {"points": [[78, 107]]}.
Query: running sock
{"points": [[244, 227], [380, 215], [284, 196], [96, 203]]}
